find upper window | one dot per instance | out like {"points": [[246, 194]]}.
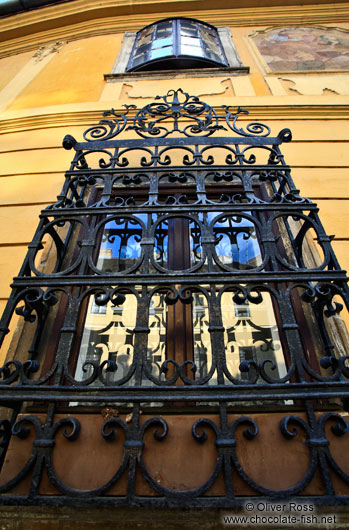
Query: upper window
{"points": [[176, 43]]}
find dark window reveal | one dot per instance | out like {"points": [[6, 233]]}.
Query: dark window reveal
{"points": [[176, 43]]}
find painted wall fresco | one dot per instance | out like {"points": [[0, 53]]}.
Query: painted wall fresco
{"points": [[292, 49]]}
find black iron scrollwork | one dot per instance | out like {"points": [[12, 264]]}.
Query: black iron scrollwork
{"points": [[165, 117], [173, 278]]}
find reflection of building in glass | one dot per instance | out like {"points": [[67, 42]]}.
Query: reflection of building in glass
{"points": [[120, 246], [107, 336], [252, 335]]}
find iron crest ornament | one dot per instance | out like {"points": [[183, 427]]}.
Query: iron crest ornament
{"points": [[170, 115]]}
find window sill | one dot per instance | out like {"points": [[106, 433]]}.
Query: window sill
{"points": [[170, 74]]}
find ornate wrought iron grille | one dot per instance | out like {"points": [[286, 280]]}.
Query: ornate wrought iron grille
{"points": [[231, 305]]}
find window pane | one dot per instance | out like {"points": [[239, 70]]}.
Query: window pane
{"points": [[140, 59], [108, 336], [211, 47], [213, 56], [156, 352], [188, 28], [202, 339], [161, 52], [251, 334], [164, 33], [166, 25], [146, 39], [160, 43], [192, 50], [189, 41], [146, 31], [207, 33], [237, 243], [145, 48], [163, 324], [120, 246]]}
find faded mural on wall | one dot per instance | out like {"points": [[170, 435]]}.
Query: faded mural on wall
{"points": [[292, 49]]}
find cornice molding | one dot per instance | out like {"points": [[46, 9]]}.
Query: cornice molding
{"points": [[263, 109], [86, 18]]}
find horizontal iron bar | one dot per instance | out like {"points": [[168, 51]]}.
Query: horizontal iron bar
{"points": [[279, 208], [197, 278], [236, 393], [215, 141], [205, 168], [176, 500]]}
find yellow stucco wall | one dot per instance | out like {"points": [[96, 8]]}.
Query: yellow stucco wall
{"points": [[52, 64], [74, 75]]}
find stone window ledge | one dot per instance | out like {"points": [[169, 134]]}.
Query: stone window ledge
{"points": [[170, 74]]}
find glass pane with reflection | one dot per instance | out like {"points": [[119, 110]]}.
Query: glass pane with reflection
{"points": [[161, 52], [251, 334], [188, 28], [237, 243], [120, 245], [107, 336], [156, 352], [202, 339], [160, 43], [163, 327]]}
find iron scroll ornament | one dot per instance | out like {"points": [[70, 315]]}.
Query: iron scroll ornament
{"points": [[165, 117], [227, 442]]}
